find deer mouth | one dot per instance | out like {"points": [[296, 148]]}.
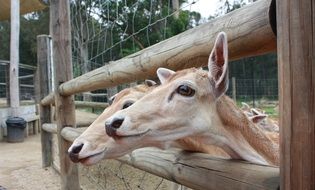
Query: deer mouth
{"points": [[92, 159], [131, 134]]}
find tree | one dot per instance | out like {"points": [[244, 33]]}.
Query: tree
{"points": [[31, 25]]}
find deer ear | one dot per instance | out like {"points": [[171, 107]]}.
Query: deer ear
{"points": [[258, 118], [218, 65], [149, 83], [111, 99], [245, 106], [256, 112], [164, 74]]}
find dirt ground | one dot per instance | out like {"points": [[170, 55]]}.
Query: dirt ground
{"points": [[20, 167]]}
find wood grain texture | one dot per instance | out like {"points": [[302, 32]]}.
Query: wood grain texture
{"points": [[43, 90], [296, 59], [50, 127], [14, 56], [65, 110], [70, 134], [47, 100], [197, 170], [248, 30], [201, 171]]}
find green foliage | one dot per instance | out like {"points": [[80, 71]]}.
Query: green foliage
{"points": [[110, 30], [31, 25]]}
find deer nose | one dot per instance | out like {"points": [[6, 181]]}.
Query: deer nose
{"points": [[112, 126], [74, 153]]}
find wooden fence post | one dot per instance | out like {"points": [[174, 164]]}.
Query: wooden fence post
{"points": [[65, 109], [7, 82], [296, 59], [42, 83], [14, 57]]}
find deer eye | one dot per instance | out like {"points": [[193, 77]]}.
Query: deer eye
{"points": [[185, 90], [127, 104]]}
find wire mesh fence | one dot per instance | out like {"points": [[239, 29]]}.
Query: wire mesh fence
{"points": [[104, 31], [251, 90], [112, 174], [26, 84]]}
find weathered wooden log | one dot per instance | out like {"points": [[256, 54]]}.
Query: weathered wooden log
{"points": [[296, 58], [95, 94], [80, 104], [14, 57], [201, 171], [197, 170], [43, 54], [65, 110], [49, 99], [70, 133], [50, 127], [249, 33]]}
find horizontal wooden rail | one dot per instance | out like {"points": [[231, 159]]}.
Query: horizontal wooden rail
{"points": [[197, 170], [95, 94], [70, 133], [80, 104], [49, 99], [249, 33], [50, 127]]}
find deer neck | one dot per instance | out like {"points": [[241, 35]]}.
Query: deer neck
{"points": [[194, 144], [244, 137]]}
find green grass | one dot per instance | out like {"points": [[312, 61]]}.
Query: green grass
{"points": [[267, 106]]}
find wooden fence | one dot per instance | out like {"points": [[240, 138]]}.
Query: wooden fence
{"points": [[250, 32]]}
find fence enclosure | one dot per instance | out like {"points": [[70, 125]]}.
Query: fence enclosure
{"points": [[254, 27]]}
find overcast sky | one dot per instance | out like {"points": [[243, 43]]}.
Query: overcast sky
{"points": [[205, 7]]}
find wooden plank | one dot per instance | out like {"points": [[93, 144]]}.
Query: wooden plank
{"points": [[296, 59], [43, 90], [197, 170], [248, 30], [14, 56], [64, 105]]}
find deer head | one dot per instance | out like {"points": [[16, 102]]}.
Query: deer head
{"points": [[93, 144], [191, 103]]}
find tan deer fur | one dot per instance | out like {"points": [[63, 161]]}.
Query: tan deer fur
{"points": [[164, 116]]}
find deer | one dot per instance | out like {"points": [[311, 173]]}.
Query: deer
{"points": [[259, 117], [192, 103], [93, 144]]}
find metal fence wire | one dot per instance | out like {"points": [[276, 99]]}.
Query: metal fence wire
{"points": [[26, 83]]}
